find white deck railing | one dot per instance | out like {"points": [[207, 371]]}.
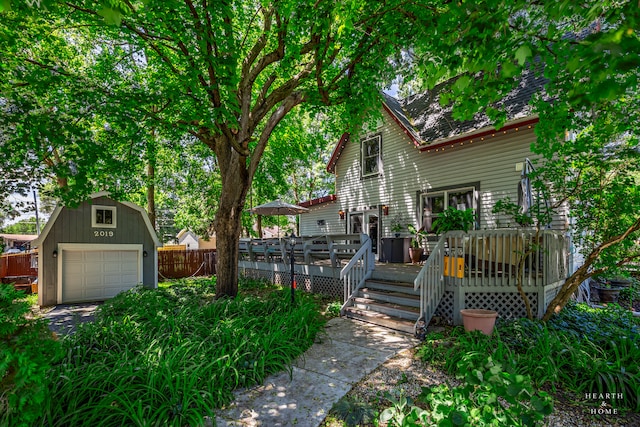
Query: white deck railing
{"points": [[357, 271], [430, 282], [492, 257], [489, 260]]}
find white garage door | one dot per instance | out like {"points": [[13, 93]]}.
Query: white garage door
{"points": [[96, 275]]}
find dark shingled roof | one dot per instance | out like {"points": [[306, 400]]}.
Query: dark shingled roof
{"points": [[432, 122], [427, 123]]}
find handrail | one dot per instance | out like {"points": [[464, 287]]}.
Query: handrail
{"points": [[356, 272], [430, 283]]}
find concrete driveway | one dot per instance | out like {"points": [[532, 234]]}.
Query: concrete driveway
{"points": [[63, 318]]}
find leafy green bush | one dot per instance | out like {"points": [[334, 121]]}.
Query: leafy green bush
{"points": [[583, 350], [27, 350], [171, 356], [489, 396]]}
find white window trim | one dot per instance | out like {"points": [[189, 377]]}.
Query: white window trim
{"points": [[113, 210], [445, 194], [362, 156]]}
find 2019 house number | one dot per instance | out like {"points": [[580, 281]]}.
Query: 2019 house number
{"points": [[102, 233]]}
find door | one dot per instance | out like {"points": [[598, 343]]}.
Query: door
{"points": [[97, 275], [366, 222]]}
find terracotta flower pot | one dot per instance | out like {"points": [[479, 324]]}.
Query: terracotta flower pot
{"points": [[479, 320], [415, 254]]}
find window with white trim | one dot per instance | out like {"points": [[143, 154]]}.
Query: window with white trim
{"points": [[434, 202], [103, 216], [370, 155]]}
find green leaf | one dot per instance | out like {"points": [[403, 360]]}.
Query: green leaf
{"points": [[462, 83], [522, 54], [458, 418], [508, 70], [111, 16], [5, 5]]}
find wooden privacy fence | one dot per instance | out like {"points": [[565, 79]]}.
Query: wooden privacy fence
{"points": [[176, 264], [17, 265]]}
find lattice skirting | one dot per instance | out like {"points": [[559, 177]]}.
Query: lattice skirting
{"points": [[445, 308], [329, 286], [507, 303]]}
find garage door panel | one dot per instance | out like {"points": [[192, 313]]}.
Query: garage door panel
{"points": [[98, 275], [74, 256]]}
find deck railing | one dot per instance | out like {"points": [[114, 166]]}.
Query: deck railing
{"points": [[490, 261], [357, 271], [492, 257]]}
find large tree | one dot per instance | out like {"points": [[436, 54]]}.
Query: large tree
{"points": [[226, 72]]}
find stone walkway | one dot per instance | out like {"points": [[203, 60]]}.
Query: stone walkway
{"points": [[339, 359]]}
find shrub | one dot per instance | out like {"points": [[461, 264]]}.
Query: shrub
{"points": [[27, 350], [171, 356]]}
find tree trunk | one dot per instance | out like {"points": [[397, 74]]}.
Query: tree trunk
{"points": [[151, 194], [236, 182], [259, 225], [584, 272]]}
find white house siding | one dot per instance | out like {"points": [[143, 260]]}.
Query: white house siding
{"points": [[405, 171], [327, 213]]}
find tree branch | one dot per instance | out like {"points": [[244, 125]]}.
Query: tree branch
{"points": [[287, 105]]}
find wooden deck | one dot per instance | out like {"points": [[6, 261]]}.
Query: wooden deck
{"points": [[464, 270]]}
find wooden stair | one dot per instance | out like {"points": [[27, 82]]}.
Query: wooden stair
{"points": [[394, 305]]}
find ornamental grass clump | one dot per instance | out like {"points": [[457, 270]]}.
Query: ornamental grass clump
{"points": [[173, 355]]}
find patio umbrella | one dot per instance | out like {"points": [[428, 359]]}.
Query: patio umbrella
{"points": [[278, 207]]}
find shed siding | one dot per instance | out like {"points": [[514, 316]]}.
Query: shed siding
{"points": [[74, 226], [407, 171]]}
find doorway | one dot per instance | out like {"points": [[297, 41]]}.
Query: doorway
{"points": [[366, 222]]}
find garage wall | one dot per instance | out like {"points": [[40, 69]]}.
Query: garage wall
{"points": [[74, 226]]}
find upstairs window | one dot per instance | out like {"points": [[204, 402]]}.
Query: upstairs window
{"points": [[371, 162], [103, 216]]}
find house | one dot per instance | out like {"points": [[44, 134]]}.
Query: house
{"points": [[21, 242], [192, 241], [419, 161], [96, 250]]}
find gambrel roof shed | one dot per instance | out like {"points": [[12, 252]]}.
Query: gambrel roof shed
{"points": [[95, 250]]}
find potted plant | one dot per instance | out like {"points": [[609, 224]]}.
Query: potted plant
{"points": [[396, 226], [417, 238], [609, 287]]}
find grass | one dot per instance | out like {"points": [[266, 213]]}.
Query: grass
{"points": [[173, 355]]}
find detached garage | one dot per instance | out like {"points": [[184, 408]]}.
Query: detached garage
{"points": [[95, 251]]}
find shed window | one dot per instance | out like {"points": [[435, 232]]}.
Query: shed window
{"points": [[103, 216], [371, 161]]}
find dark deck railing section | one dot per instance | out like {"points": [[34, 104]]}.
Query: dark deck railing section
{"points": [[18, 265]]}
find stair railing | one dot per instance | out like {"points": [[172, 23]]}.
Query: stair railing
{"points": [[356, 272], [430, 282]]}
